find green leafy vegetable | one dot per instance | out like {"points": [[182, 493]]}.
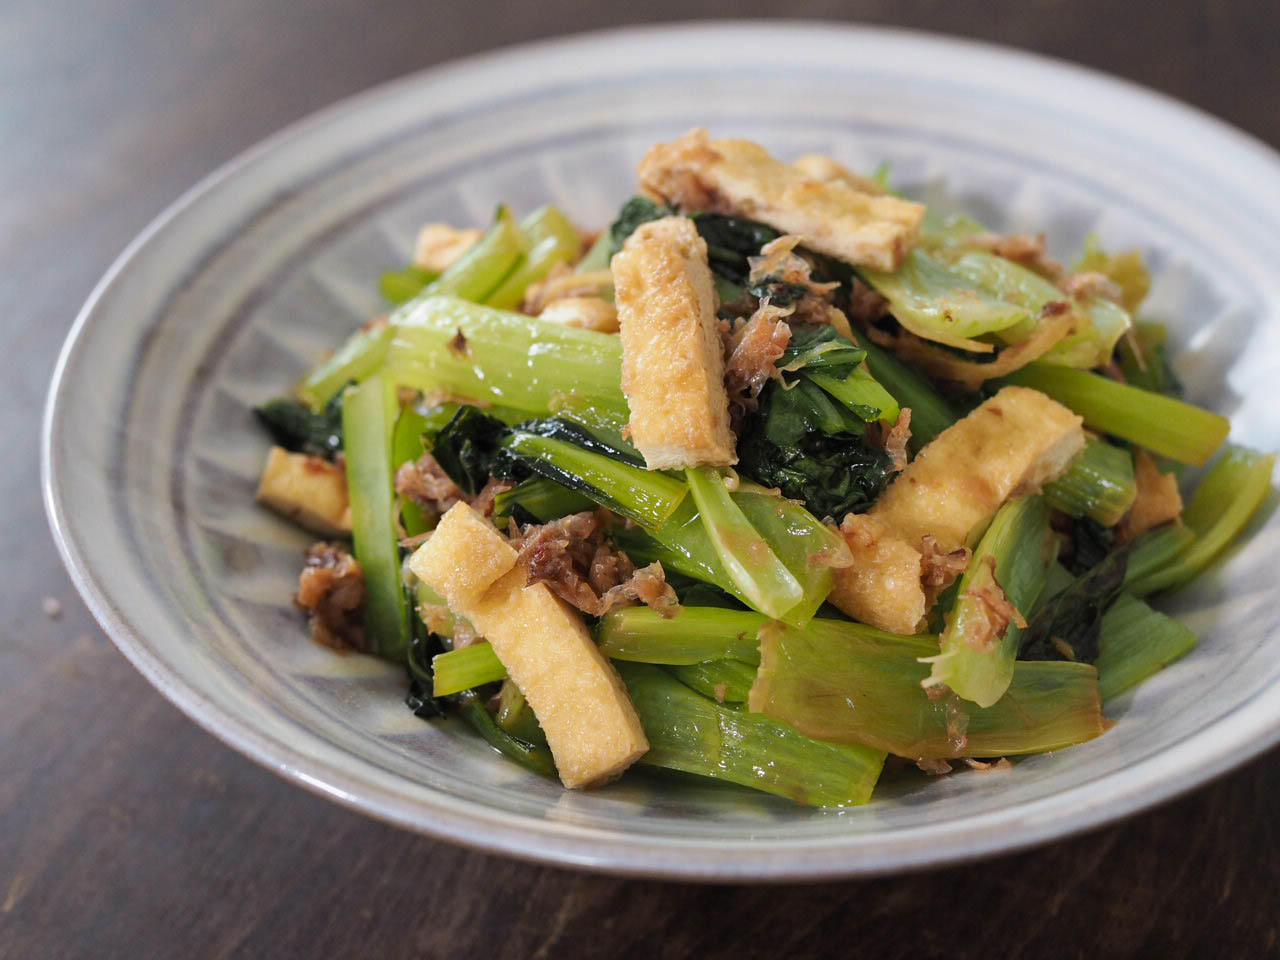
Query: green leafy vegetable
{"points": [[419, 698], [1066, 626], [296, 427], [469, 447], [730, 242], [813, 449], [1091, 543], [636, 211], [807, 437]]}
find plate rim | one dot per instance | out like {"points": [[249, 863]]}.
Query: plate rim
{"points": [[593, 848]]}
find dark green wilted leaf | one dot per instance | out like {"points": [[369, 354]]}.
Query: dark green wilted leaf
{"points": [[298, 428]]}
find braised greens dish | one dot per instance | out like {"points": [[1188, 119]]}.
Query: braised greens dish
{"points": [[777, 477]]}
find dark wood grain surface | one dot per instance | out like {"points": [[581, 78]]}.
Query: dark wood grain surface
{"points": [[127, 831]]}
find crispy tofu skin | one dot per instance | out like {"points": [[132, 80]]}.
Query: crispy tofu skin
{"points": [[440, 246], [585, 313], [307, 490], [672, 357], [819, 167], [464, 557], [1012, 444], [1158, 500], [591, 725], [739, 177], [883, 587]]}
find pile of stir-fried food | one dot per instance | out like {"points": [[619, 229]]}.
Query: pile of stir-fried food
{"points": [[779, 475]]}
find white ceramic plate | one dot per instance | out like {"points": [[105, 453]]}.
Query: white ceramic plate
{"points": [[151, 455]]}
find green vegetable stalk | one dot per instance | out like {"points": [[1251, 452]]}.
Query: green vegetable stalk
{"points": [[1136, 642], [726, 681], [482, 269], [539, 500], [1230, 494], [806, 547], [646, 496], [467, 667], [476, 275], [1145, 363], [1099, 484], [1162, 424], [515, 716], [695, 734], [978, 644], [848, 683], [694, 635], [369, 414], [361, 356], [451, 345], [746, 557], [930, 414], [406, 447], [551, 240], [401, 286], [1153, 551], [531, 756]]}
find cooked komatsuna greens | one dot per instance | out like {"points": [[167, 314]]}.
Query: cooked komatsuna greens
{"points": [[776, 476]]}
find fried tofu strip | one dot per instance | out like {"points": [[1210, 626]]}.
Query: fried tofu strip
{"points": [[739, 177], [1158, 500], [884, 586], [440, 246], [591, 725], [824, 168], [585, 313], [1012, 444], [672, 357], [307, 490]]}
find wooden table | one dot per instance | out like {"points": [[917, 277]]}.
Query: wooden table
{"points": [[127, 831]]}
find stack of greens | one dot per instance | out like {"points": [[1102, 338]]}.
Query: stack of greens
{"points": [[756, 680]]}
